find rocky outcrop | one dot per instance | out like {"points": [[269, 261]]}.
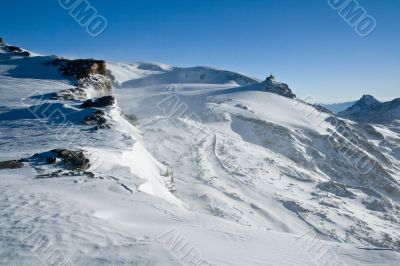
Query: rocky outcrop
{"points": [[14, 50], [95, 118], [270, 85], [98, 102], [337, 189], [79, 68], [90, 75], [379, 205], [96, 82], [91, 86], [13, 164], [70, 94], [70, 160]]}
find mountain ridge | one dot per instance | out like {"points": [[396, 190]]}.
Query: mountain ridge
{"points": [[369, 110]]}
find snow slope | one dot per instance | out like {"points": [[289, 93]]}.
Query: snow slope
{"points": [[187, 170], [258, 143], [147, 74]]}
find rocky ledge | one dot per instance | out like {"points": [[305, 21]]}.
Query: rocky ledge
{"points": [[14, 50], [98, 102], [79, 68], [270, 85]]}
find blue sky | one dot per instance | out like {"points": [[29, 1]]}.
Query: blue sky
{"points": [[304, 43]]}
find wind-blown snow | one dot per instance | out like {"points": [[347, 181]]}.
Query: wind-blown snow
{"points": [[241, 176]]}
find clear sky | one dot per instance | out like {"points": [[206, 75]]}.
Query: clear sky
{"points": [[304, 43]]}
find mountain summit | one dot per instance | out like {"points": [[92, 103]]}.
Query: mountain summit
{"points": [[368, 100], [369, 110]]}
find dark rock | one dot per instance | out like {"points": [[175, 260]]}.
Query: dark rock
{"points": [[379, 205], [339, 190], [51, 160], [327, 204], [79, 68], [322, 109], [70, 94], [370, 192], [16, 50], [72, 160], [103, 126], [89, 174], [294, 206], [99, 83], [12, 49], [99, 102], [61, 173], [270, 85], [97, 118], [1, 41], [13, 164]]}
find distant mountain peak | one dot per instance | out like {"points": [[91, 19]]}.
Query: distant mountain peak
{"points": [[369, 110], [368, 100]]}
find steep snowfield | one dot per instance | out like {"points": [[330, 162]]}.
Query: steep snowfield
{"points": [[205, 173]]}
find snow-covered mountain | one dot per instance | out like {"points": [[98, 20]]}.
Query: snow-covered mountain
{"points": [[370, 110], [149, 164], [147, 74]]}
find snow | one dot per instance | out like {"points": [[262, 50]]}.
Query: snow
{"points": [[125, 72], [244, 166]]}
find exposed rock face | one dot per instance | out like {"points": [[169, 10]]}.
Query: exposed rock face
{"points": [[14, 50], [97, 82], [71, 160], [270, 85], [379, 205], [93, 86], [13, 164], [370, 110], [98, 102], [294, 206], [70, 94], [95, 118], [80, 68], [322, 109], [337, 189], [91, 78]]}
